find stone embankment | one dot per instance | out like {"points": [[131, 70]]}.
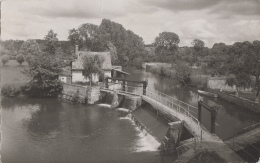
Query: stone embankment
{"points": [[81, 94], [249, 105]]}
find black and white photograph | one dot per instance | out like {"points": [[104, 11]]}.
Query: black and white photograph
{"points": [[130, 81]]}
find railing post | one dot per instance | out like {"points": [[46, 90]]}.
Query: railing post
{"points": [[233, 138], [201, 139]]}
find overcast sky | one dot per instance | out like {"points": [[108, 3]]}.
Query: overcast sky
{"points": [[212, 21]]}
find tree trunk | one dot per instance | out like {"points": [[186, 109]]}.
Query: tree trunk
{"points": [[90, 79], [258, 89]]}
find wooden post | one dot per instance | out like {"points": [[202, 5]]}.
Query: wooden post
{"points": [[213, 120], [123, 85], [199, 111], [145, 83], [106, 82]]}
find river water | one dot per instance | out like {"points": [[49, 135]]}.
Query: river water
{"points": [[230, 117], [51, 130]]}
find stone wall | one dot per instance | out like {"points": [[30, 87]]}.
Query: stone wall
{"points": [[145, 64], [237, 100], [220, 83], [91, 94], [132, 102]]}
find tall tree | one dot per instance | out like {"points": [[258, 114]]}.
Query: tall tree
{"points": [[51, 42], [43, 71], [92, 65], [20, 58], [30, 47], [168, 40]]}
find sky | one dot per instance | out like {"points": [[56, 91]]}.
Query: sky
{"points": [[211, 21]]}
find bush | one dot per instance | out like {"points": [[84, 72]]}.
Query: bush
{"points": [[183, 73], [198, 81], [161, 70], [34, 89], [5, 59], [10, 91], [75, 96], [20, 58], [138, 62]]}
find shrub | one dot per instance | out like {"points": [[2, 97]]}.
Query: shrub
{"points": [[5, 59], [75, 96], [183, 73], [10, 91], [137, 62], [20, 58], [198, 81]]}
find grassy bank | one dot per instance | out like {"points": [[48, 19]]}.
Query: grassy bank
{"points": [[197, 78], [11, 73], [12, 78]]}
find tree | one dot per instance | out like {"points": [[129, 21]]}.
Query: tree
{"points": [[168, 40], [74, 38], [44, 71], [183, 73], [127, 43], [113, 52], [51, 42], [20, 58], [30, 47], [92, 65], [198, 44], [5, 59]]}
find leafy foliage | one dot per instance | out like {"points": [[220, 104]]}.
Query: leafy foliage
{"points": [[10, 91], [168, 40], [43, 71], [20, 58], [51, 42], [92, 65], [183, 73], [30, 47], [5, 59]]}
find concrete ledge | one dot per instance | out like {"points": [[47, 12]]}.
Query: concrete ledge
{"points": [[237, 100]]}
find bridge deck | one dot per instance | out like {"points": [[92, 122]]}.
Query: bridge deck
{"points": [[243, 140], [121, 93], [209, 141]]}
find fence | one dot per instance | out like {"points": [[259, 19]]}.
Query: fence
{"points": [[175, 104]]}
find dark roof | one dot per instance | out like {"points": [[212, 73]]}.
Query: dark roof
{"points": [[123, 72], [78, 64], [66, 71]]}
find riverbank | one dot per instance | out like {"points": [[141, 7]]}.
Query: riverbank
{"points": [[247, 104], [197, 77]]}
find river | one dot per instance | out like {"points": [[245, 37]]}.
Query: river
{"points": [[230, 117], [52, 130]]}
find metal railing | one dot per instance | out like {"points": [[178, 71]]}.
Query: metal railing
{"points": [[174, 104], [161, 98]]}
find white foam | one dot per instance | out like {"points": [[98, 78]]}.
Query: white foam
{"points": [[126, 118], [123, 109], [145, 142], [105, 105]]}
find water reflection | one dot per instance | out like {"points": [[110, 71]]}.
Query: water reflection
{"points": [[49, 130], [229, 118]]}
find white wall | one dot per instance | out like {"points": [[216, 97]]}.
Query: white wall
{"points": [[221, 84], [78, 77]]}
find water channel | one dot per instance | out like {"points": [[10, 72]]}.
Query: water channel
{"points": [[230, 117], [51, 130]]}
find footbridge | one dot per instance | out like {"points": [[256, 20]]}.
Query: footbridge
{"points": [[173, 108]]}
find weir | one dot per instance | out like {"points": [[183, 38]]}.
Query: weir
{"points": [[173, 110]]}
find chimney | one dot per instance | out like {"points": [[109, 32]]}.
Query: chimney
{"points": [[77, 51]]}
